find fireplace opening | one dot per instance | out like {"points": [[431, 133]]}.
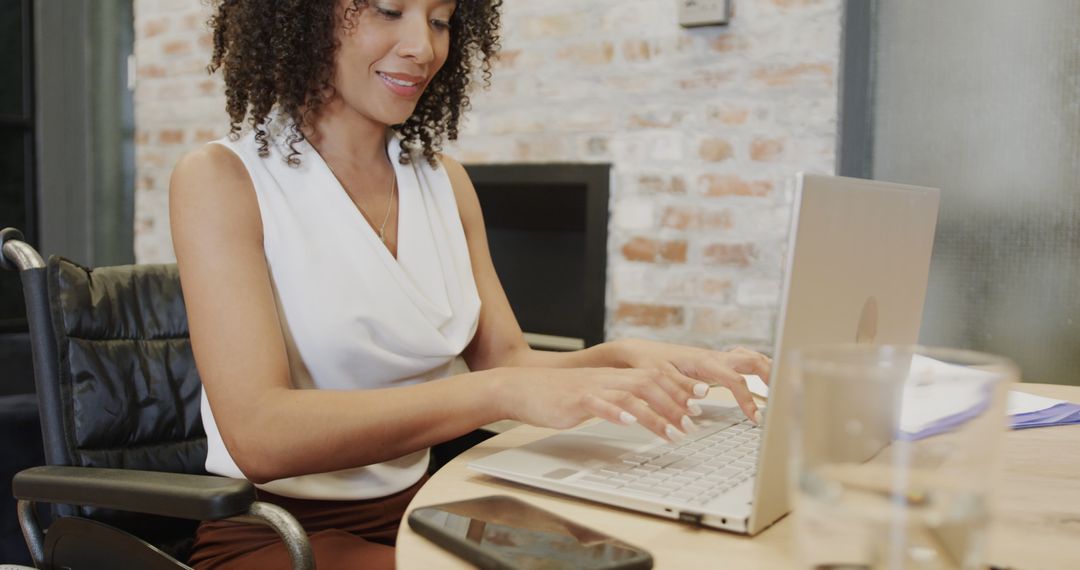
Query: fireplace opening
{"points": [[547, 231]]}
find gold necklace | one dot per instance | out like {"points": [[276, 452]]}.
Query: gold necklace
{"points": [[389, 206]]}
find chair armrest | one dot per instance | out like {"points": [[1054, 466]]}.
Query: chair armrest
{"points": [[194, 497]]}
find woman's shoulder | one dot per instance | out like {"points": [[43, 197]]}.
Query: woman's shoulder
{"points": [[213, 179], [211, 160], [459, 178], [468, 204]]}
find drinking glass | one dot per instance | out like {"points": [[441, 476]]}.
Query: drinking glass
{"points": [[895, 455]]}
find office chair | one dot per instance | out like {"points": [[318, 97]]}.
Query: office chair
{"points": [[118, 395]]}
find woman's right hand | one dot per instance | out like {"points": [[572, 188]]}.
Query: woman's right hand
{"points": [[564, 397]]}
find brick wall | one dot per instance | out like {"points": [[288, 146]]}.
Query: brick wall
{"points": [[178, 106], [704, 128]]}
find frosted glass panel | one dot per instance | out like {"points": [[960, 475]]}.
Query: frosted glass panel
{"points": [[982, 99]]}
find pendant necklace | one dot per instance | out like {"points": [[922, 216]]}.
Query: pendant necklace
{"points": [[389, 207]]}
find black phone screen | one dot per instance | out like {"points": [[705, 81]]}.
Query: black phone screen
{"points": [[513, 534]]}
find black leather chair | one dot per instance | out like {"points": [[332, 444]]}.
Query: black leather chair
{"points": [[118, 395]]}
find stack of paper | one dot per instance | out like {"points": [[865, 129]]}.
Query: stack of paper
{"points": [[930, 408], [1024, 410], [1030, 411]]}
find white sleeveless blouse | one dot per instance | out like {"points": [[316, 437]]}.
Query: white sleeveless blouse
{"points": [[352, 315]]}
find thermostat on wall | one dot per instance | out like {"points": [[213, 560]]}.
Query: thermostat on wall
{"points": [[703, 12]]}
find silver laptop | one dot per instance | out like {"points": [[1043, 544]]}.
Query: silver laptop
{"points": [[859, 256]]}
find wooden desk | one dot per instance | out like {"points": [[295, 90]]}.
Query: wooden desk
{"points": [[1037, 525]]}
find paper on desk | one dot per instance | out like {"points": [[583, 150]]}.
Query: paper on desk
{"points": [[951, 407], [1024, 403], [939, 409], [928, 406], [1065, 413]]}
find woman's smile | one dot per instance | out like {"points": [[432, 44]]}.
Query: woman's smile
{"points": [[403, 84]]}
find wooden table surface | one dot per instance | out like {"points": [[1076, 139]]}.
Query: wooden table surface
{"points": [[1037, 524]]}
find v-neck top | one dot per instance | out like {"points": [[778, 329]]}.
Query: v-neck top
{"points": [[354, 317]]}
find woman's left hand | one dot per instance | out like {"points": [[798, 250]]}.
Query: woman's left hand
{"points": [[724, 368]]}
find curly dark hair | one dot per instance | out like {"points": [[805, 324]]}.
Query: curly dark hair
{"points": [[281, 52]]}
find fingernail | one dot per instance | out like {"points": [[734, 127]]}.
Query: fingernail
{"points": [[757, 417], [673, 433], [693, 407], [688, 424], [627, 418], [700, 389]]}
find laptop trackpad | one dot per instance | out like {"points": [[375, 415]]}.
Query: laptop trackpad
{"points": [[586, 447]]}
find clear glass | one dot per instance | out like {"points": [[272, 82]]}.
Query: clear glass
{"points": [[896, 451]]}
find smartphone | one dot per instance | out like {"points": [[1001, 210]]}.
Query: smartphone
{"points": [[504, 533]]}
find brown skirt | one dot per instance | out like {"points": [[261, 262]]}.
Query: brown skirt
{"points": [[343, 534]]}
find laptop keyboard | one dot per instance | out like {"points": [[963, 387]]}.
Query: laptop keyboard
{"points": [[700, 468]]}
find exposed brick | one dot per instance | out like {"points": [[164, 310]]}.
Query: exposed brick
{"points": [[508, 58], [153, 159], [651, 184], [154, 27], [636, 50], [693, 218], [729, 43], [662, 184], [548, 147], [715, 220], [599, 82], [679, 218], [171, 136], [715, 288], [150, 71], [729, 115], [205, 41], [596, 146], [673, 251], [193, 22], [144, 225], [553, 25], [655, 120], [730, 185], [177, 47], [622, 86], [209, 87], [805, 73], [205, 135], [590, 53], [734, 321], [766, 150], [651, 250], [715, 150], [643, 315], [475, 156], [707, 80], [730, 254]]}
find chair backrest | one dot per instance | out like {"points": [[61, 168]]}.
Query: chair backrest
{"points": [[116, 380]]}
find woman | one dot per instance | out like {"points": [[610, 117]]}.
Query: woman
{"points": [[334, 263]]}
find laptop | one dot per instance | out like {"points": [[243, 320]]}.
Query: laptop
{"points": [[857, 268]]}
